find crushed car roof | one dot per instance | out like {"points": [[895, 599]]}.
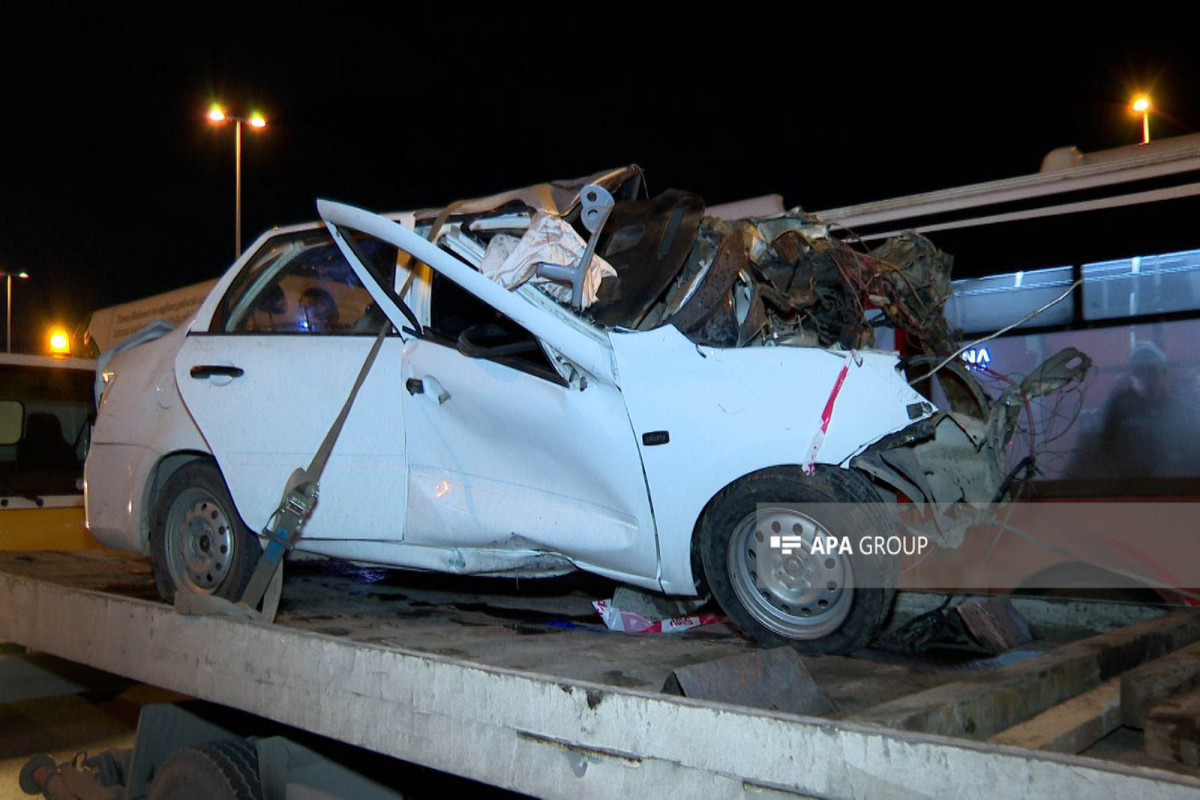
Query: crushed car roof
{"points": [[780, 279]]}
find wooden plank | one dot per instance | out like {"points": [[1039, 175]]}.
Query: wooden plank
{"points": [[1152, 683], [1072, 726], [1173, 729], [983, 706]]}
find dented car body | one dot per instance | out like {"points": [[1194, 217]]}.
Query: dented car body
{"points": [[518, 423]]}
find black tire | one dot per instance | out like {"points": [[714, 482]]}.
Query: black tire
{"points": [[222, 770], [831, 604], [198, 543]]}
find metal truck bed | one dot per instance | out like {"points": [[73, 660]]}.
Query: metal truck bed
{"points": [[522, 687]]}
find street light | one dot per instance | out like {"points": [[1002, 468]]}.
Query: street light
{"points": [[8, 276], [1141, 105], [217, 116]]}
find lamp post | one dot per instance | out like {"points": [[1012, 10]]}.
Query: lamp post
{"points": [[1141, 105], [8, 276], [217, 116]]}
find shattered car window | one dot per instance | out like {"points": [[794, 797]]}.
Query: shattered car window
{"points": [[302, 283]]}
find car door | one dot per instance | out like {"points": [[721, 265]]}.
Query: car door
{"points": [[502, 450], [269, 373]]}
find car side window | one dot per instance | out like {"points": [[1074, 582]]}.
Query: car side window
{"points": [[461, 320], [302, 284]]}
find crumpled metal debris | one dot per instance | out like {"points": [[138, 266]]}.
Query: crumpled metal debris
{"points": [[953, 465], [780, 279], [1067, 366], [560, 198]]}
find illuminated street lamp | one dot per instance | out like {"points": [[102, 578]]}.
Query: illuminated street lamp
{"points": [[217, 116], [1141, 105], [8, 276]]}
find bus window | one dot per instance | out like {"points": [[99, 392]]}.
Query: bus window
{"points": [[980, 305], [57, 404], [1142, 285], [42, 451]]}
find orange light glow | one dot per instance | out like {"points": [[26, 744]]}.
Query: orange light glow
{"points": [[1141, 104], [257, 121], [216, 114], [60, 343]]}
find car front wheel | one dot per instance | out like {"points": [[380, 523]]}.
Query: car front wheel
{"points": [[198, 542], [815, 602]]}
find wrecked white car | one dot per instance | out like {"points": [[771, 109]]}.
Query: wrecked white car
{"points": [[573, 377]]}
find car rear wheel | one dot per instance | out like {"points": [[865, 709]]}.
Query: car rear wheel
{"points": [[814, 602], [198, 542]]}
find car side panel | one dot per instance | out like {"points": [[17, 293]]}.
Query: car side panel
{"points": [[732, 412], [509, 459], [115, 477], [141, 420]]}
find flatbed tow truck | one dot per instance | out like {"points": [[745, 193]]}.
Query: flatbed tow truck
{"points": [[519, 685]]}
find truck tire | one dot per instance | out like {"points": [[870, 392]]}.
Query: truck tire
{"points": [[221, 770], [198, 543], [824, 603]]}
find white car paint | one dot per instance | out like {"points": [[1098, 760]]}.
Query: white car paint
{"points": [[142, 419], [362, 488], [730, 412], [514, 458], [489, 468]]}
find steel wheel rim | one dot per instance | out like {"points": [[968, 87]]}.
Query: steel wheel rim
{"points": [[809, 595], [200, 544]]}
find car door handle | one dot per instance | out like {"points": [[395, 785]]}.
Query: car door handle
{"points": [[204, 371], [428, 383]]}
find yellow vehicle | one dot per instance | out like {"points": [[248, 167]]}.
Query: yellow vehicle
{"points": [[46, 410]]}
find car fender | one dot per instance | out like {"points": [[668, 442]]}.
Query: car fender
{"points": [[704, 417], [141, 421]]}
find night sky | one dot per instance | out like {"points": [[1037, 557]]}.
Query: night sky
{"points": [[113, 186]]}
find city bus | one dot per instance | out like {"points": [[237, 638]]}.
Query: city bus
{"points": [[46, 414], [1112, 236]]}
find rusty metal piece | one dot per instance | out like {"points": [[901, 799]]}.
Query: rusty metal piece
{"points": [[773, 679], [995, 623]]}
